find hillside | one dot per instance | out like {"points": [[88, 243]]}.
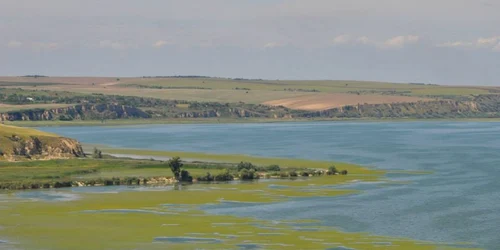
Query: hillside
{"points": [[196, 98], [22, 143]]}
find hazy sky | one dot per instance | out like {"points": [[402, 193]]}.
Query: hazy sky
{"points": [[433, 41]]}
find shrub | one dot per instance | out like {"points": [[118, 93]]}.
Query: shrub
{"points": [[332, 170], [185, 176], [225, 176], [284, 175], [207, 177], [246, 165], [248, 175], [97, 154], [273, 168]]}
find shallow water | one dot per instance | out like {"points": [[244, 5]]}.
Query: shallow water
{"points": [[459, 202]]}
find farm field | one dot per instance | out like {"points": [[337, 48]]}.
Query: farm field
{"points": [[329, 101], [310, 95]]}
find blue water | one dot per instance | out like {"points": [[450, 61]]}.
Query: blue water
{"points": [[459, 202]]}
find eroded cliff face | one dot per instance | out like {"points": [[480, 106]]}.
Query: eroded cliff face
{"points": [[77, 112], [16, 148]]}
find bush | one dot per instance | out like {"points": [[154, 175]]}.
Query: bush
{"points": [[246, 165], [332, 170], [225, 176], [248, 175], [207, 177], [97, 154], [273, 168], [185, 176]]}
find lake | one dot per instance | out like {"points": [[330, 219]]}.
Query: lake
{"points": [[458, 202]]}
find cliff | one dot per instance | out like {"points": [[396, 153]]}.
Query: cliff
{"points": [[484, 107], [481, 106], [22, 143], [77, 112]]}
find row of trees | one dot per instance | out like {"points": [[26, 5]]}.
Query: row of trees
{"points": [[245, 171]]}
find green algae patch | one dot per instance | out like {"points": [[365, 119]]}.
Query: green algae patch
{"points": [[172, 219]]}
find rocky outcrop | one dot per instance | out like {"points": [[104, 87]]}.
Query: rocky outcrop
{"points": [[39, 148], [482, 106], [77, 112]]}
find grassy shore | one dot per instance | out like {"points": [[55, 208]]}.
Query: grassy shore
{"points": [[261, 161], [174, 218], [127, 122]]}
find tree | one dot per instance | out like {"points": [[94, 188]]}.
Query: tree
{"points": [[245, 165], [185, 176], [224, 176], [248, 175], [97, 154], [274, 168], [175, 165], [332, 170]]}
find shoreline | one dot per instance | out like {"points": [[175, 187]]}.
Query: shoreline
{"points": [[135, 122]]}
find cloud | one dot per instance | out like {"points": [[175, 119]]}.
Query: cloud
{"points": [[44, 46], [14, 44], [34, 45], [342, 39], [271, 45], [107, 44], [364, 40], [160, 43], [455, 44], [399, 42], [480, 43], [487, 42], [394, 42], [497, 48]]}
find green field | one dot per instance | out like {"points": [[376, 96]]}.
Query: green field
{"points": [[220, 100], [326, 86]]}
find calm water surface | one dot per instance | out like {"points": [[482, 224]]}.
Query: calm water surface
{"points": [[459, 202]]}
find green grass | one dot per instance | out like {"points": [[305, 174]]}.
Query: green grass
{"points": [[76, 169], [225, 90], [7, 131], [7, 141], [8, 107], [260, 161], [326, 86]]}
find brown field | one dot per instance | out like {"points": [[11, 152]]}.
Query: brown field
{"points": [[329, 101]]}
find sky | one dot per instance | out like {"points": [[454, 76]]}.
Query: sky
{"points": [[427, 41]]}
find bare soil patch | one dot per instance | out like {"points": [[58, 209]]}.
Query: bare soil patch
{"points": [[329, 101]]}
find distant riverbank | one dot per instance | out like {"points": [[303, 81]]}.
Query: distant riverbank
{"points": [[129, 122]]}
